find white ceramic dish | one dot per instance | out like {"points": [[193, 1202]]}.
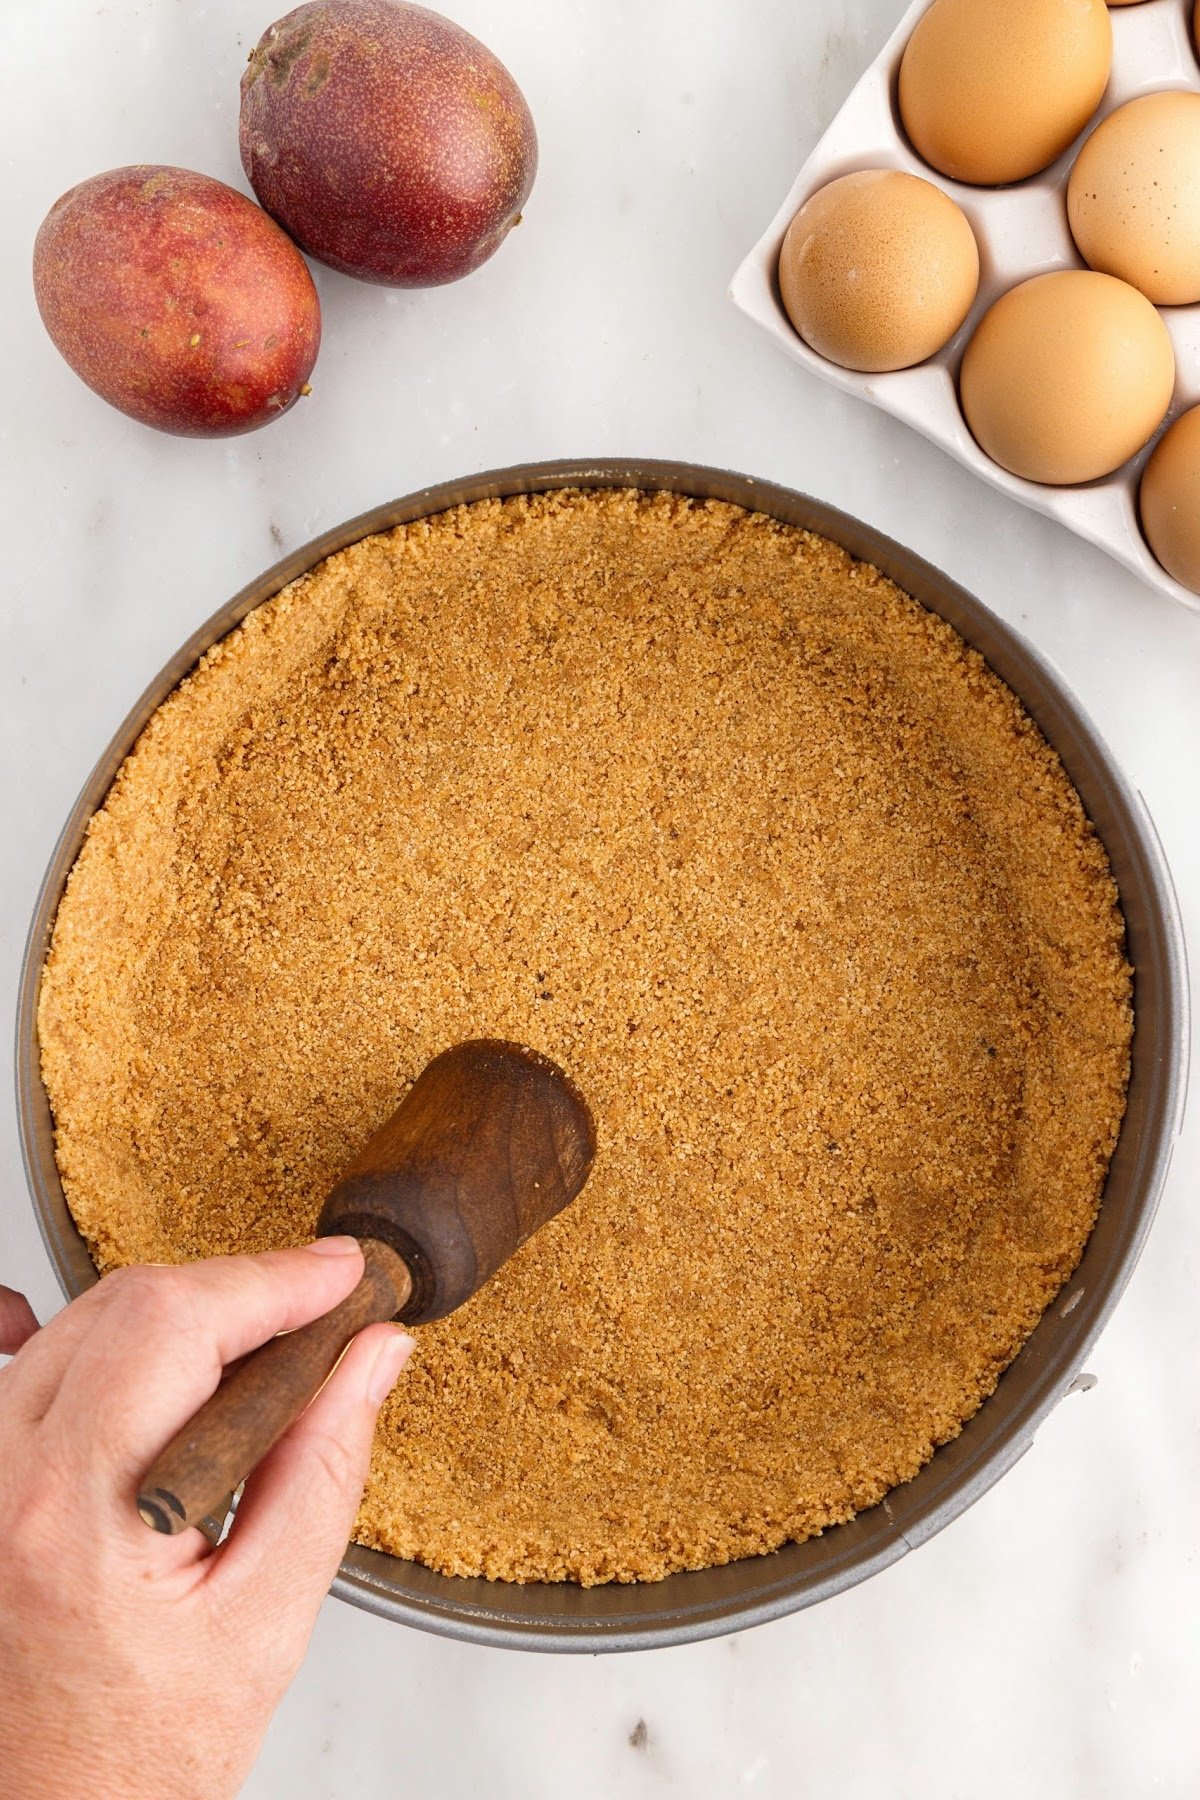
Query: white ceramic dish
{"points": [[1022, 231]]}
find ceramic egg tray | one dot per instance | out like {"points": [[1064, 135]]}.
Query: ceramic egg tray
{"points": [[1022, 231]]}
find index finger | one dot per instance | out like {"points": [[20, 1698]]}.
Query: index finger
{"points": [[156, 1351]]}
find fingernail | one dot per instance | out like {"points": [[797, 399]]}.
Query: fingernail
{"points": [[334, 1246], [394, 1352]]}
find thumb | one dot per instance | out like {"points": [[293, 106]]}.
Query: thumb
{"points": [[295, 1517]]}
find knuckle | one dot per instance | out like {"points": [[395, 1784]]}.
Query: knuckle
{"points": [[149, 1295], [33, 1533], [264, 1606], [257, 1290], [335, 1461], [22, 1524], [129, 1282]]}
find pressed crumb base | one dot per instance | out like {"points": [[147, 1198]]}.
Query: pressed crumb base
{"points": [[758, 850]]}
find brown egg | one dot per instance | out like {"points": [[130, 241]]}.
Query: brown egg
{"points": [[1170, 500], [994, 90], [878, 270], [1134, 197], [1067, 376]]}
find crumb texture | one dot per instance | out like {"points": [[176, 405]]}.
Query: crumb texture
{"points": [[760, 852]]}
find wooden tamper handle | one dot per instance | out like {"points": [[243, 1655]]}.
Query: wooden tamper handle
{"points": [[254, 1406], [489, 1143]]}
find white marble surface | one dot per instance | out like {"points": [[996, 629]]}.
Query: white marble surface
{"points": [[1047, 1644]]}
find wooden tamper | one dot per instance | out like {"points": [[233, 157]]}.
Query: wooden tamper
{"points": [[490, 1142]]}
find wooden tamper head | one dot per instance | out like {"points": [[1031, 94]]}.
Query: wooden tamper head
{"points": [[488, 1144]]}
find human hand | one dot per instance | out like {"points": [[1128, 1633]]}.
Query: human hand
{"points": [[138, 1665], [17, 1322]]}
